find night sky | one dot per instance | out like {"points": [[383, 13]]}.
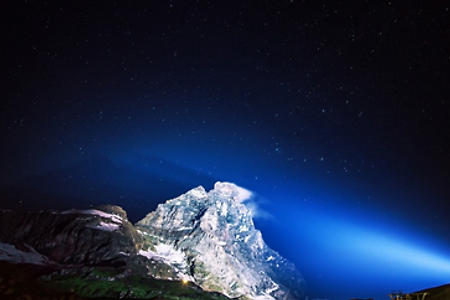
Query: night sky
{"points": [[336, 114]]}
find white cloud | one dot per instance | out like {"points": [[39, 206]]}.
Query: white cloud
{"points": [[257, 211], [232, 190], [244, 196]]}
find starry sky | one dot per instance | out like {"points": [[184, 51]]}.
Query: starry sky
{"points": [[334, 113]]}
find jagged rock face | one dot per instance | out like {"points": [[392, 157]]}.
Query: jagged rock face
{"points": [[210, 238]]}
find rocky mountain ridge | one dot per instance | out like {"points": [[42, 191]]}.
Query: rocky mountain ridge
{"points": [[207, 238]]}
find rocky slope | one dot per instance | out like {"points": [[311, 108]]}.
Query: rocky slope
{"points": [[73, 237], [213, 242], [206, 238]]}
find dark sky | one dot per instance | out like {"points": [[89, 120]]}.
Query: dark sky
{"points": [[334, 113]]}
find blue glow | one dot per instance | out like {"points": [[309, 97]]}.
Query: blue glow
{"points": [[344, 251], [363, 258], [344, 246], [396, 252]]}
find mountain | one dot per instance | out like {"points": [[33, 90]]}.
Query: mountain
{"points": [[205, 239], [437, 293], [212, 238]]}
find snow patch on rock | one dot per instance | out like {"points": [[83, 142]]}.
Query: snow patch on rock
{"points": [[115, 218], [170, 256], [166, 253], [12, 254], [106, 226], [198, 192]]}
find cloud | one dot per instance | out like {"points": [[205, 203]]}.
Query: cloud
{"points": [[242, 195], [253, 202], [257, 211]]}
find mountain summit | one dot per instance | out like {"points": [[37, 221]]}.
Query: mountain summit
{"points": [[217, 246], [206, 238]]}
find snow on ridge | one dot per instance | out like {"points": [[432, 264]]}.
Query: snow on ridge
{"points": [[263, 297], [148, 254], [12, 254], [170, 256], [169, 253], [106, 226], [115, 218], [166, 253], [198, 192]]}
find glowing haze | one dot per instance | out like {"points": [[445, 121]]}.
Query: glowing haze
{"points": [[363, 257], [359, 252]]}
